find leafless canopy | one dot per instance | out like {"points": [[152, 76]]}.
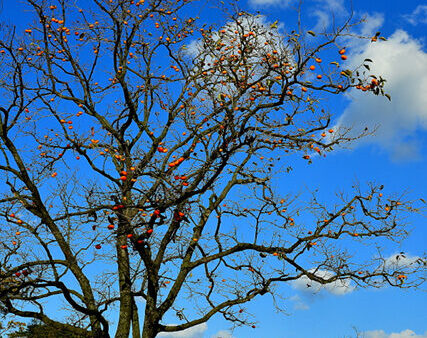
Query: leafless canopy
{"points": [[139, 150]]}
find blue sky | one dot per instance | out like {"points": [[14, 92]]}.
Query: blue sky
{"points": [[395, 157]]}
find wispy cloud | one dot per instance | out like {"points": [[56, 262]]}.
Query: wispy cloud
{"points": [[259, 3], [223, 334], [325, 11], [403, 334], [418, 15], [299, 304]]}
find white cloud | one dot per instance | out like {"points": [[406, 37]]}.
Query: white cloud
{"points": [[403, 63], [259, 24], [267, 38], [299, 304], [419, 15], [323, 20], [283, 3], [372, 24], [399, 261], [339, 287], [325, 11], [223, 334], [192, 332], [404, 334], [334, 5]]}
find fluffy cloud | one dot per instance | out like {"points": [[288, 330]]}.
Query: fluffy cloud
{"points": [[399, 261], [259, 24], [266, 32], [403, 63], [419, 15], [193, 332], [404, 334], [222, 334], [339, 287]]}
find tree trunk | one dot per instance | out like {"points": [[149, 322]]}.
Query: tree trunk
{"points": [[125, 313], [151, 319], [135, 321], [150, 329]]}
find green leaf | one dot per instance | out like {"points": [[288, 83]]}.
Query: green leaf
{"points": [[335, 63], [383, 38], [367, 67], [274, 24], [388, 96], [368, 60], [311, 33]]}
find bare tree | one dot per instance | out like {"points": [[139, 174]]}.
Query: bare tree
{"points": [[138, 151]]}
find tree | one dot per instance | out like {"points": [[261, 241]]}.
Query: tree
{"points": [[138, 150], [37, 329]]}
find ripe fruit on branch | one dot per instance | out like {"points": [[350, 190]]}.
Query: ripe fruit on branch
{"points": [[177, 162]]}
